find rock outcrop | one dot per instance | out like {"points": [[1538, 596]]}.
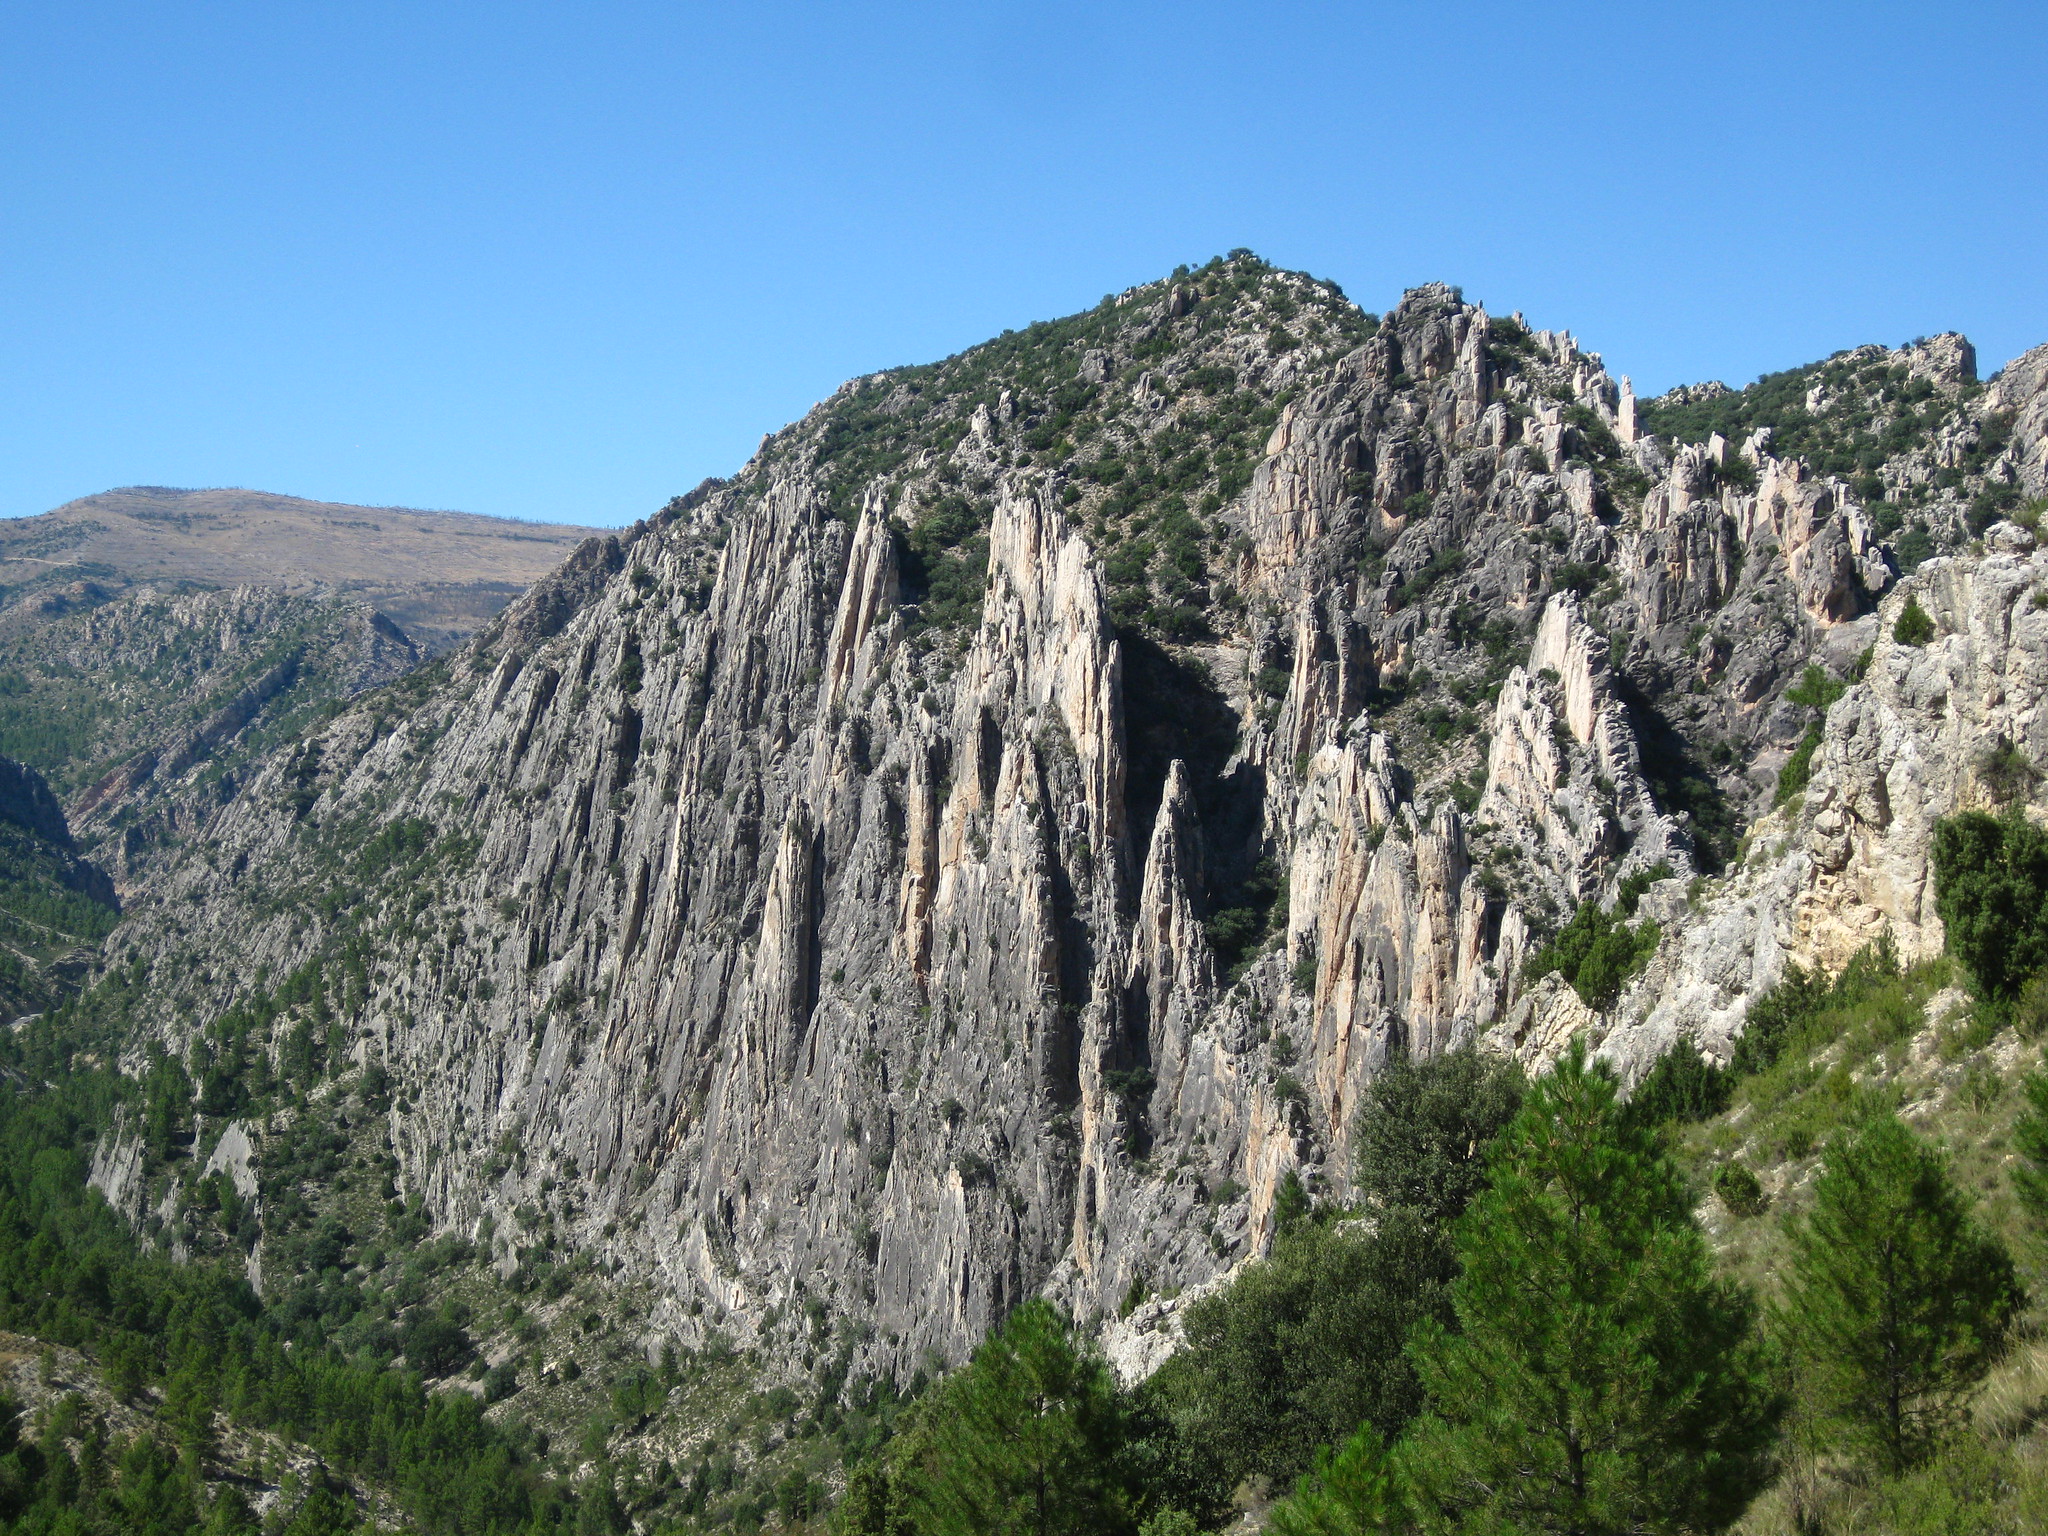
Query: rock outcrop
{"points": [[989, 843]]}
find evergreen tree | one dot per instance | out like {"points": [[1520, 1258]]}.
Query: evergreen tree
{"points": [[1023, 1442], [1423, 1129], [868, 1507], [1896, 1304], [1350, 1493], [1601, 1379], [1991, 889]]}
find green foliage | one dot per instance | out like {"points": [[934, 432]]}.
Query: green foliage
{"points": [[1600, 1377], [434, 1343], [1445, 562], [1896, 1303], [1914, 627], [2005, 772], [1873, 411], [2030, 1142], [49, 904], [1798, 769], [1776, 1016], [1424, 1129], [1991, 890], [70, 1273], [1739, 1189], [1350, 1493], [1815, 690], [1306, 1344], [1681, 1086], [1025, 1439], [1236, 931], [1597, 951], [1291, 1202]]}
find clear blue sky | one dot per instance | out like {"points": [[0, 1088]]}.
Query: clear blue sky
{"points": [[562, 261]]}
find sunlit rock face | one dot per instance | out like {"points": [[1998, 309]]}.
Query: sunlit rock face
{"points": [[988, 844]]}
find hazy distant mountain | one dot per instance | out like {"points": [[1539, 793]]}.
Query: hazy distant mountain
{"points": [[440, 575]]}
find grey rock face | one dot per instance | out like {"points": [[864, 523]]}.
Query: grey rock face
{"points": [[787, 945]]}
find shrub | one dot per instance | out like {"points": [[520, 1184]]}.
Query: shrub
{"points": [[1596, 951], [1424, 1128], [1305, 972], [2005, 773], [1682, 1085], [2030, 1141], [1798, 770], [1306, 1345], [1739, 1190], [434, 1345], [1914, 626], [1991, 890]]}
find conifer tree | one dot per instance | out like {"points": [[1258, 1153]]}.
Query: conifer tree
{"points": [[1350, 1493], [1600, 1378], [1023, 1442], [1897, 1303]]}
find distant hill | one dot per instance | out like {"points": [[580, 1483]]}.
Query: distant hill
{"points": [[439, 575]]}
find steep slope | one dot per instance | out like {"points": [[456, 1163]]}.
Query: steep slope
{"points": [[143, 709], [438, 575], [985, 845], [53, 904]]}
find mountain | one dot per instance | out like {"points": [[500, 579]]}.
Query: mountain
{"points": [[438, 575], [54, 906], [990, 846]]}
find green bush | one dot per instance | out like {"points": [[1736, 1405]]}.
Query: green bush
{"points": [[1681, 1086], [1739, 1189], [2005, 772], [1597, 951], [1914, 627], [1798, 770], [1424, 1128], [1306, 1345], [1991, 890]]}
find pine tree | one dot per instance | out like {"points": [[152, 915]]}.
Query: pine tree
{"points": [[1896, 1304], [1023, 1442], [1350, 1493], [1601, 1379]]}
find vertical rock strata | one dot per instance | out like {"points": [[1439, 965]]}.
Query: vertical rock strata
{"points": [[785, 945]]}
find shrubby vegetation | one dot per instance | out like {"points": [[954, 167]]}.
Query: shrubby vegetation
{"points": [[1597, 951], [1815, 690], [1991, 884], [196, 1338]]}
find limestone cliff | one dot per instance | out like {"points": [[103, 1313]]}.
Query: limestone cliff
{"points": [[988, 843]]}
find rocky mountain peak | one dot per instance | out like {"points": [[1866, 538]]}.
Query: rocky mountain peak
{"points": [[987, 845]]}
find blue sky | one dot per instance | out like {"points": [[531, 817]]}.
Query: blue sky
{"points": [[562, 261]]}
